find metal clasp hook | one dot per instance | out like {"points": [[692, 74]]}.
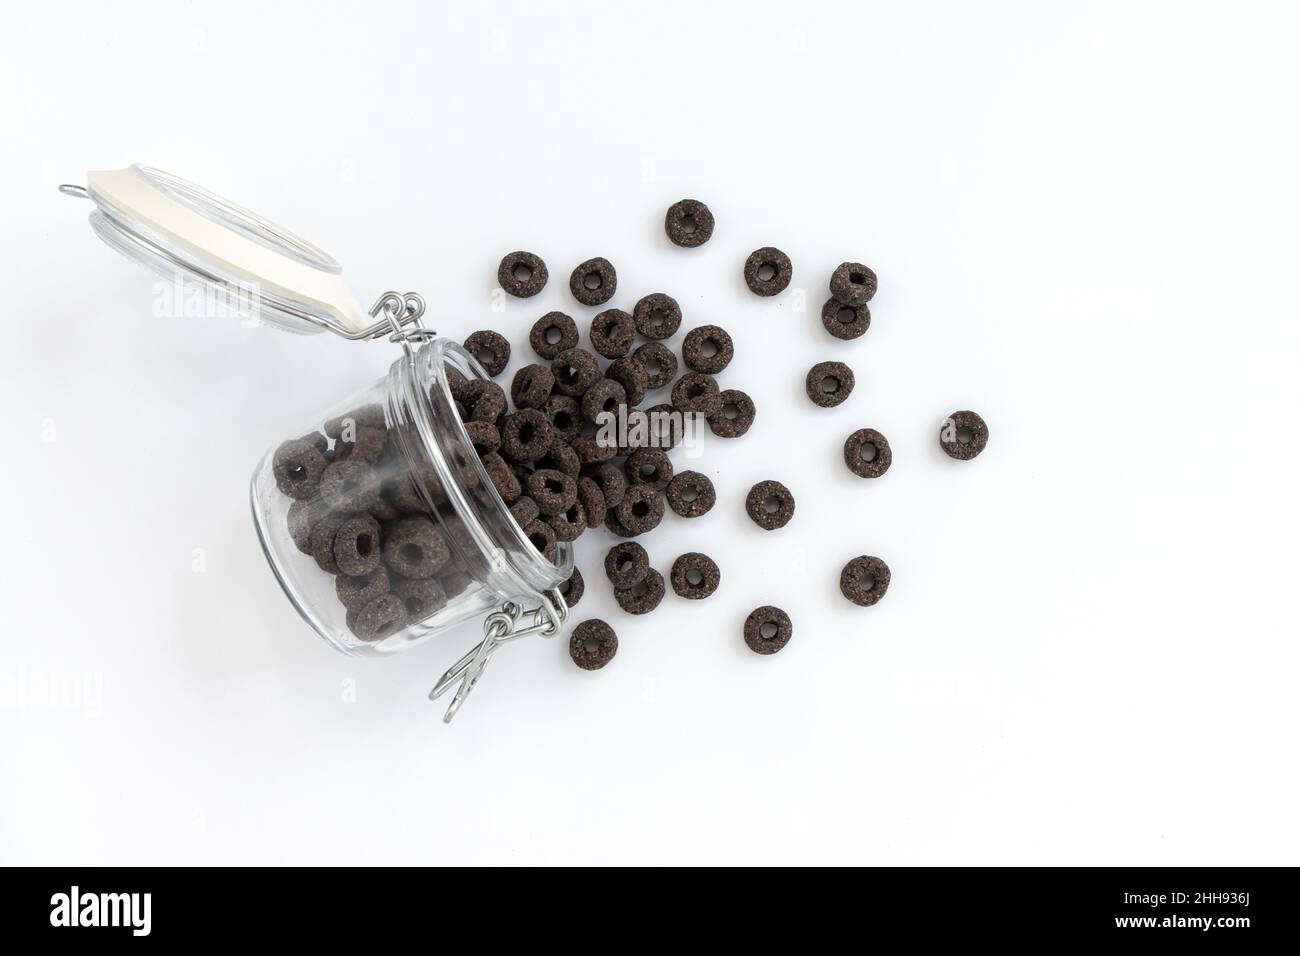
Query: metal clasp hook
{"points": [[500, 627]]}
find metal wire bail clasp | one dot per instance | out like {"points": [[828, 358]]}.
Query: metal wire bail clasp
{"points": [[500, 627]]}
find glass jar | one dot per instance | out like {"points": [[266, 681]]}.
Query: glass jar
{"points": [[393, 474], [380, 520]]}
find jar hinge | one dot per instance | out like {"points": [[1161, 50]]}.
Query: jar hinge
{"points": [[500, 627]]}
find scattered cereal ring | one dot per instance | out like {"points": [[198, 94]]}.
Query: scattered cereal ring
{"points": [[768, 271], [867, 453], [626, 564], [629, 373], [565, 416], [526, 436], [641, 509], [696, 392], [648, 466], [695, 576], [594, 282], [853, 283], [688, 223], [612, 333], [554, 491], [767, 629], [829, 383], [532, 386], [963, 435], [572, 589], [770, 504], [575, 370], [659, 363], [708, 349], [593, 644], [522, 274], [644, 596], [606, 396], [845, 321], [491, 349], [864, 580], [690, 494], [552, 334], [734, 416], [657, 315]]}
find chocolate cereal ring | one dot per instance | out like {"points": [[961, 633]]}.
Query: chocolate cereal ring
{"points": [[526, 436], [770, 504], [503, 477], [491, 349], [604, 397], [591, 451], [572, 589], [594, 282], [659, 363], [356, 545], [521, 274], [359, 591], [525, 511], [963, 435], [300, 518], [592, 500], [611, 480], [532, 386], [734, 416], [361, 443], [690, 494], [568, 524], [552, 334], [768, 271], [648, 466], [867, 453], [829, 383], [657, 315], [554, 491], [593, 644], [576, 370], [864, 580], [644, 596], [565, 416], [629, 373], [484, 400], [298, 466], [377, 619], [695, 576], [626, 564], [349, 485], [612, 333], [561, 457], [853, 283], [698, 393], [845, 321], [542, 537], [485, 437], [421, 597], [688, 223], [641, 509], [321, 541], [415, 548], [767, 629], [708, 349]]}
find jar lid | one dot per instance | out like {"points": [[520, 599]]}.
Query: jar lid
{"points": [[175, 226]]}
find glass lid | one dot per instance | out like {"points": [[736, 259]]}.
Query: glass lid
{"points": [[267, 272]]}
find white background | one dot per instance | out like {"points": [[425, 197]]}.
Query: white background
{"points": [[1084, 220]]}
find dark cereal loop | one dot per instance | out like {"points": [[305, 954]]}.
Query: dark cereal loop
{"points": [[421, 597], [612, 333], [525, 511], [573, 589], [708, 349], [734, 416], [377, 619], [361, 443], [485, 437], [575, 370], [491, 349], [690, 494], [695, 576], [484, 400], [568, 524], [322, 541], [554, 491], [522, 274], [594, 282], [414, 548], [768, 271], [456, 584], [628, 372], [356, 545], [590, 451], [615, 526], [371, 416], [829, 384], [503, 478], [561, 457], [657, 316], [644, 596], [626, 564], [845, 321], [696, 392], [659, 363], [349, 485], [360, 591], [593, 644], [867, 453], [605, 396], [648, 466], [641, 509], [298, 465], [853, 283], [592, 500], [300, 518], [963, 435], [767, 629], [688, 223], [542, 537], [552, 334], [526, 436], [565, 416], [770, 504], [611, 480], [864, 580], [665, 426], [531, 386]]}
